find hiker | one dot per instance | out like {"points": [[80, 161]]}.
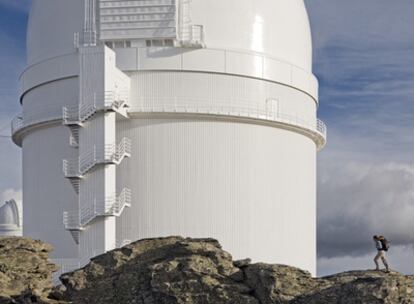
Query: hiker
{"points": [[382, 246]]}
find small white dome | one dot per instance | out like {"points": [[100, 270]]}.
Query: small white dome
{"points": [[9, 217]]}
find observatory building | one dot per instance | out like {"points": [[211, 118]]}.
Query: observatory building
{"points": [[11, 219], [150, 118]]}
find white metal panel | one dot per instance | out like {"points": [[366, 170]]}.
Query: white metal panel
{"points": [[137, 19], [51, 28], [244, 64], [127, 59], [46, 193], [278, 71], [216, 90], [46, 102], [207, 60], [239, 63], [250, 186], [60, 67], [279, 28], [159, 59]]}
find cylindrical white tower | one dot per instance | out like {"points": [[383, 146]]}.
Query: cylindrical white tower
{"points": [[150, 118]]}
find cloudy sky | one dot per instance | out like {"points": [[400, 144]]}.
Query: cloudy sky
{"points": [[364, 59]]}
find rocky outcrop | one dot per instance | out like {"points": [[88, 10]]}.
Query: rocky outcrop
{"points": [[25, 272], [176, 271], [161, 271], [360, 287]]}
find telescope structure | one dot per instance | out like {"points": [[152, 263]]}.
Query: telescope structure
{"points": [[11, 221], [150, 118]]}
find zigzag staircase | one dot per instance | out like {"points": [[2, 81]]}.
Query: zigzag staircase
{"points": [[111, 206], [75, 117], [110, 154], [77, 169]]}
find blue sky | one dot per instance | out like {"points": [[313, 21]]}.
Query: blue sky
{"points": [[364, 59]]}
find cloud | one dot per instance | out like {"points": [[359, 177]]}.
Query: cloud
{"points": [[10, 194], [363, 59], [359, 200], [19, 5]]}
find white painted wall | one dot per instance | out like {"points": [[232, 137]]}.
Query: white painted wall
{"points": [[248, 183], [46, 194], [250, 186], [279, 28]]}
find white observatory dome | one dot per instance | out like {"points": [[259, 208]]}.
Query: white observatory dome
{"points": [[10, 224], [277, 28], [51, 27], [150, 118]]}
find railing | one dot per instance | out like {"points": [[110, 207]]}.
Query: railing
{"points": [[17, 124], [75, 115], [123, 149], [71, 168], [115, 99], [110, 154], [111, 206], [107, 100], [123, 200], [258, 112], [321, 128], [71, 220], [36, 116], [192, 35]]}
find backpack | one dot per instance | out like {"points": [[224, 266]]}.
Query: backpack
{"points": [[385, 244]]}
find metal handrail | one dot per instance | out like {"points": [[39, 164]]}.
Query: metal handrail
{"points": [[70, 167], [71, 220], [193, 32], [111, 153], [83, 111], [257, 112], [17, 124], [112, 206]]}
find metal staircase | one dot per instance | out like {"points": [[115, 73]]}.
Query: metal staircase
{"points": [[74, 136], [111, 206], [75, 117], [109, 101], [77, 169], [110, 154], [92, 124]]}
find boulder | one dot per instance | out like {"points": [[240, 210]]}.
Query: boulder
{"points": [[25, 271], [161, 271]]}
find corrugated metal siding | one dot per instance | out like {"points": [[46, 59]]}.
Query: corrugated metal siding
{"points": [[216, 90], [46, 193], [46, 102], [250, 186]]}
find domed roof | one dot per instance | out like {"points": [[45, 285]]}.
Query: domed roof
{"points": [[51, 28], [279, 28], [9, 215]]}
